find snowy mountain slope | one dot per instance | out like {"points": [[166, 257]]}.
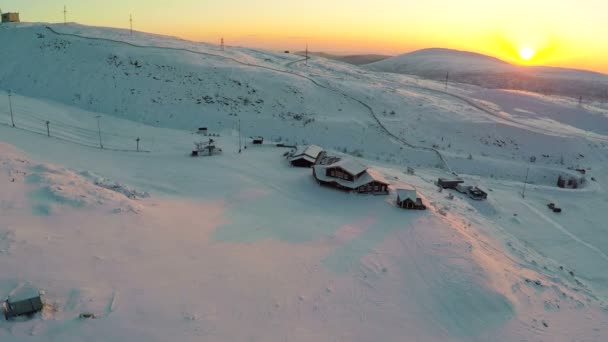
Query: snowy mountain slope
{"points": [[490, 72], [192, 85], [326, 265]]}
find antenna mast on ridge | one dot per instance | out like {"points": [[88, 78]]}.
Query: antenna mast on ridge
{"points": [[131, 23], [306, 53], [65, 15], [222, 44]]}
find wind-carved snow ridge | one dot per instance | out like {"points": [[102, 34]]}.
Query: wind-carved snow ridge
{"points": [[117, 187]]}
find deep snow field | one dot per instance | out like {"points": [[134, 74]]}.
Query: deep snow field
{"points": [[242, 247]]}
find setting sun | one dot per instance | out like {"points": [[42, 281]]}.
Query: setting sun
{"points": [[526, 53]]}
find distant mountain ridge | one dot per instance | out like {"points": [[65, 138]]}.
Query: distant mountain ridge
{"points": [[490, 72], [350, 59]]}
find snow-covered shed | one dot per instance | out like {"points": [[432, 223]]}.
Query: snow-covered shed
{"points": [[10, 17], [26, 302], [350, 175], [407, 198], [305, 156]]}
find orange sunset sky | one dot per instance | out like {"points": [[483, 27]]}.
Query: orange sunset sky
{"points": [[537, 32]]}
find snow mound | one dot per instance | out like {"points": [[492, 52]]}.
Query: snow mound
{"points": [[50, 188]]}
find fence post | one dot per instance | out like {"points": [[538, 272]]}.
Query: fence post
{"points": [[10, 106], [137, 140], [48, 131]]}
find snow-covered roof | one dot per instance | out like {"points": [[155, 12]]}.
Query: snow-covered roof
{"points": [[369, 175], [349, 165], [406, 192], [310, 151]]}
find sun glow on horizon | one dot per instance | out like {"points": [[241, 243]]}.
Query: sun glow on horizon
{"points": [[526, 53]]}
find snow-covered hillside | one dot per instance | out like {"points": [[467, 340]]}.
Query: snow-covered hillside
{"points": [[490, 72], [242, 247]]}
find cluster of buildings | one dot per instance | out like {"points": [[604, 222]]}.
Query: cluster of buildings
{"points": [[350, 175], [458, 184]]}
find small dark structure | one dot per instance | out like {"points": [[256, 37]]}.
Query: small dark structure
{"points": [[407, 198], [449, 183], [569, 183], [23, 307], [205, 148], [202, 130], [554, 208], [476, 193], [305, 156], [286, 51], [258, 140], [10, 17]]}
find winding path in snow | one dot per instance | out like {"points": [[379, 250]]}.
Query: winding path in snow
{"points": [[288, 72]]}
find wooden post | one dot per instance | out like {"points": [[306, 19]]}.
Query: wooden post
{"points": [[523, 193], [239, 135], [137, 140], [99, 131], [48, 131], [10, 106]]}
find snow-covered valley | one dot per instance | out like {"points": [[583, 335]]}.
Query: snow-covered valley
{"points": [[243, 247]]}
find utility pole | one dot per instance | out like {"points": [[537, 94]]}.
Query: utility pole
{"points": [[523, 193], [65, 15], [99, 131], [131, 23], [48, 130], [306, 53], [447, 78], [137, 140], [222, 44], [239, 135], [10, 106]]}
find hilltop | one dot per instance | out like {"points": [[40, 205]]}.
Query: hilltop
{"points": [[485, 71]]}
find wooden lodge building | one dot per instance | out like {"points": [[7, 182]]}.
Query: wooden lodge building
{"points": [[10, 17], [407, 198], [305, 156], [350, 175]]}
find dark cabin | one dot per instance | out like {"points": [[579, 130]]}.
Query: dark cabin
{"points": [[408, 199], [25, 307], [258, 140], [202, 130], [449, 183]]}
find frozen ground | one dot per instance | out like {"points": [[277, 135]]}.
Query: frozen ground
{"points": [[241, 247]]}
